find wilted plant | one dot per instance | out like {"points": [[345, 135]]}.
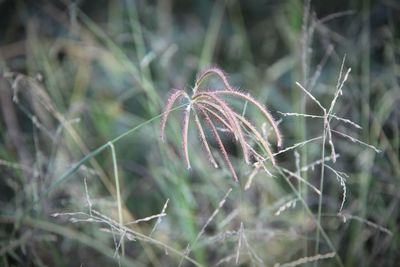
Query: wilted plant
{"points": [[210, 106]]}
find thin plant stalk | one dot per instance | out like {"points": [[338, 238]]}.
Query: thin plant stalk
{"points": [[321, 188], [118, 189], [185, 133]]}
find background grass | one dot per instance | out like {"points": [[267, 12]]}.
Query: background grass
{"points": [[100, 68]]}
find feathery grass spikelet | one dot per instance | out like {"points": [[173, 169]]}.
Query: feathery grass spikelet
{"points": [[210, 71], [169, 104]]}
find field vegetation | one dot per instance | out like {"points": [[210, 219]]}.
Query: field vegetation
{"points": [[199, 133]]}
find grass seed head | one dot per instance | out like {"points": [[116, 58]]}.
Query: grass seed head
{"points": [[211, 106]]}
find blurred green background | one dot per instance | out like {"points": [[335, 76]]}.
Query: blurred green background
{"points": [[76, 74]]}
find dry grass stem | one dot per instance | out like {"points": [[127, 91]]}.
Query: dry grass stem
{"points": [[251, 176], [311, 96], [225, 260], [307, 260], [289, 204], [347, 217], [185, 132], [159, 218], [149, 218], [317, 162], [239, 242], [355, 140], [301, 179], [341, 177], [321, 117], [258, 137]]}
